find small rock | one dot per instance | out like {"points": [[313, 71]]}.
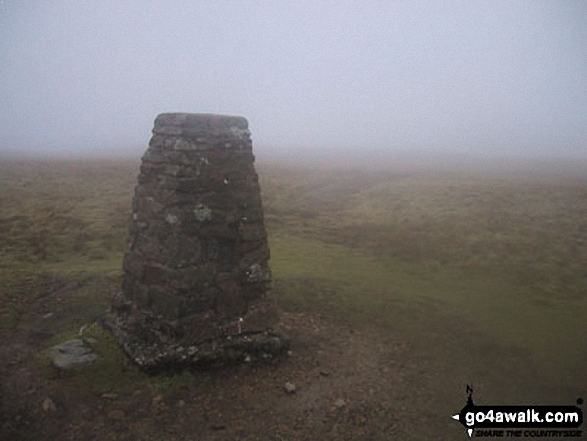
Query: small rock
{"points": [[48, 315], [110, 396], [49, 405], [290, 353], [289, 387], [324, 373], [71, 355], [157, 399], [116, 415], [180, 403], [340, 403]]}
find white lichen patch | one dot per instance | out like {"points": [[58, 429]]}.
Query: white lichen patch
{"points": [[171, 218], [202, 213], [254, 273], [240, 133], [181, 144]]}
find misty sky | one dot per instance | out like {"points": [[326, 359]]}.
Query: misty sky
{"points": [[499, 77]]}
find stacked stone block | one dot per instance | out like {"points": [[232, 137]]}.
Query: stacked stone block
{"points": [[196, 287]]}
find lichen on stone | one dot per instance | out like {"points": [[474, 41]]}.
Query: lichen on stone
{"points": [[254, 273], [202, 213]]}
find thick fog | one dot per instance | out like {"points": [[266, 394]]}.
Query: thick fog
{"points": [[491, 77]]}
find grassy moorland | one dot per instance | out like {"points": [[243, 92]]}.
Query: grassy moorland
{"points": [[488, 258], [480, 270], [507, 253]]}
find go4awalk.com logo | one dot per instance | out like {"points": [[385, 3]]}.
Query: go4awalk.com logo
{"points": [[520, 421]]}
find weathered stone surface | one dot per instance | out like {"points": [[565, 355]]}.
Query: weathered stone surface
{"points": [[196, 286]]}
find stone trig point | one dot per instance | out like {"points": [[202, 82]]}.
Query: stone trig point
{"points": [[196, 287]]}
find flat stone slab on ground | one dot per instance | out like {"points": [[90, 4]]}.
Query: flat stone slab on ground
{"points": [[71, 354]]}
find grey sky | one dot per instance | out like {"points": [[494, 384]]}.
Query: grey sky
{"points": [[494, 76]]}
